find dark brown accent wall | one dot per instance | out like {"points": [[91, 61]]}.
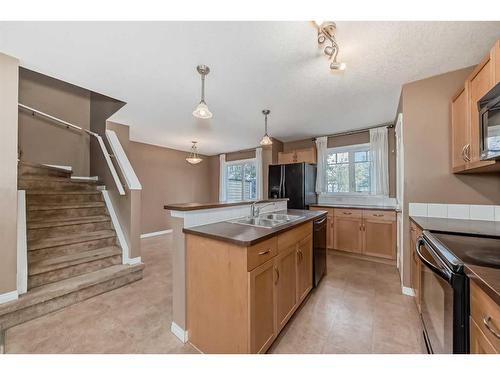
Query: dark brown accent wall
{"points": [[42, 141]]}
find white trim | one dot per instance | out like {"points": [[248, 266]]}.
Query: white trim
{"points": [[134, 261], [22, 247], [123, 162], [110, 165], [154, 234], [83, 178], [9, 296], [407, 291], [241, 161], [355, 147], [67, 168], [179, 332], [118, 229]]}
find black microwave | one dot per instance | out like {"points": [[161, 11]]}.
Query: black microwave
{"points": [[489, 124]]}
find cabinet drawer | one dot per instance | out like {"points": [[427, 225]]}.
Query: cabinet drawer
{"points": [[379, 215], [261, 252], [348, 212], [483, 308], [293, 236]]}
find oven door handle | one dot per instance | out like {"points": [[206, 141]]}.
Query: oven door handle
{"points": [[436, 270]]}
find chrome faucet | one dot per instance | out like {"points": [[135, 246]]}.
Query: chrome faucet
{"points": [[255, 211]]}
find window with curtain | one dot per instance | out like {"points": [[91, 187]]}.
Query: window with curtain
{"points": [[241, 180], [348, 170]]}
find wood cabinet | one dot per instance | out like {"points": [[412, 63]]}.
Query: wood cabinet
{"points": [[348, 234], [465, 127], [239, 298], [303, 155], [329, 225], [379, 238], [416, 265], [484, 322]]}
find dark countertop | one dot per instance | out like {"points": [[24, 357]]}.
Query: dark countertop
{"points": [[246, 235], [487, 278], [357, 206], [458, 226], [193, 206]]}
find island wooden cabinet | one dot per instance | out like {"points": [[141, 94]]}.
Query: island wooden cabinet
{"points": [[465, 127], [303, 155], [484, 322], [239, 298]]}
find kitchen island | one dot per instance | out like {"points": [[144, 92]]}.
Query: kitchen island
{"points": [[245, 282]]}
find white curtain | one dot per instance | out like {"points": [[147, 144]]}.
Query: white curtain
{"points": [[258, 173], [222, 178], [379, 148], [322, 153]]}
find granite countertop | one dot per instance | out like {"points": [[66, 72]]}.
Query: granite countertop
{"points": [[246, 235], [487, 278], [458, 226], [356, 206], [193, 206]]}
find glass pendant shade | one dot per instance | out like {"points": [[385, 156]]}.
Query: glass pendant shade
{"points": [[202, 111], [193, 157], [266, 140]]}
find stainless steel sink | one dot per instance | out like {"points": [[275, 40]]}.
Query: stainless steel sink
{"points": [[266, 220]]}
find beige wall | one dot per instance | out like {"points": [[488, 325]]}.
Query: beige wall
{"points": [[166, 177], [427, 150], [40, 140], [8, 170]]}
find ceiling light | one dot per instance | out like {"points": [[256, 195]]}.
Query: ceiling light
{"points": [[326, 34], [193, 157], [202, 111], [266, 140]]}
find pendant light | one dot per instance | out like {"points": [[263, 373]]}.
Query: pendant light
{"points": [[193, 157], [202, 111], [266, 140]]}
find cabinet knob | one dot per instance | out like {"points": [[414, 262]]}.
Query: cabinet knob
{"points": [[486, 322], [265, 252], [277, 274]]}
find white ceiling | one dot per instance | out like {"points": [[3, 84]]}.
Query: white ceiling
{"points": [[254, 65]]}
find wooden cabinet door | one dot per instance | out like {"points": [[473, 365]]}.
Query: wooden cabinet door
{"points": [[460, 131], [306, 155], [262, 294], [329, 231], [480, 83], [479, 344], [495, 52], [415, 263], [286, 285], [286, 157], [347, 234], [304, 268], [379, 238]]}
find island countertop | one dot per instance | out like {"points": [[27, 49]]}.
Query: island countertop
{"points": [[193, 206], [247, 235]]}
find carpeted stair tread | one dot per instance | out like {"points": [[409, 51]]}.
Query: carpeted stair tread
{"points": [[67, 240], [64, 206], [52, 223]]}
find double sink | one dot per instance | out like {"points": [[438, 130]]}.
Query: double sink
{"points": [[266, 220]]}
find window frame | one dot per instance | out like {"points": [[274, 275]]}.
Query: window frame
{"points": [[240, 162], [351, 149]]}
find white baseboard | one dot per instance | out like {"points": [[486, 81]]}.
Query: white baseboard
{"points": [[9, 296], [154, 234], [179, 332], [408, 291]]}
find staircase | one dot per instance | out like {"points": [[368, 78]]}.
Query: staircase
{"points": [[73, 253]]}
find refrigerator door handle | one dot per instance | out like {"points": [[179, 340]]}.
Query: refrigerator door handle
{"points": [[284, 182], [281, 181]]}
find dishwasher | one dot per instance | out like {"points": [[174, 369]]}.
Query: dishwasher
{"points": [[319, 249]]}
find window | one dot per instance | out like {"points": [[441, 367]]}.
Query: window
{"points": [[348, 169], [241, 180]]}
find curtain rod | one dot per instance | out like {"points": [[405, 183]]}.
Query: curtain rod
{"points": [[387, 125]]}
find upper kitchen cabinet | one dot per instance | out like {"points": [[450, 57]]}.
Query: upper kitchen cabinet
{"points": [[303, 155], [465, 116]]}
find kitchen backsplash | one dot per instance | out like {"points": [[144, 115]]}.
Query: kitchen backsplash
{"points": [[456, 211]]}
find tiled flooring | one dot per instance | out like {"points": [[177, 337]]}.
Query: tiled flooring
{"points": [[358, 308]]}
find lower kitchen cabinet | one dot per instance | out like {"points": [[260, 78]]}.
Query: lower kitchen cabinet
{"points": [[484, 327], [239, 298], [348, 235], [262, 302], [379, 237], [416, 265], [479, 344]]}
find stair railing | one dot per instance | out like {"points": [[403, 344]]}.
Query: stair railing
{"points": [[68, 125]]}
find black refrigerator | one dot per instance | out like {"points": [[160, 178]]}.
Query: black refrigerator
{"points": [[297, 182]]}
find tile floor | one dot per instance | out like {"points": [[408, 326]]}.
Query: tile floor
{"points": [[358, 308]]}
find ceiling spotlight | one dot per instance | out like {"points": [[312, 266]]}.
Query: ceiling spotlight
{"points": [[202, 111], [193, 157], [326, 34], [266, 140]]}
